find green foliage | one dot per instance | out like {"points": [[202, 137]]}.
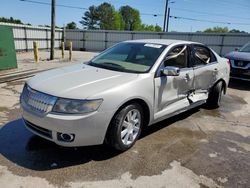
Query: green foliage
{"points": [[103, 17], [107, 17], [118, 23], [90, 19], [222, 30], [217, 30], [10, 20], [151, 28], [71, 25], [236, 31], [131, 18]]}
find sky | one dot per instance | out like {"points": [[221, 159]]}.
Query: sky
{"points": [[235, 12]]}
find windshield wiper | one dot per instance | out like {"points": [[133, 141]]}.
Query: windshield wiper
{"points": [[113, 64]]}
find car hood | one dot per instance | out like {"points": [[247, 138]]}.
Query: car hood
{"points": [[243, 56], [78, 81]]}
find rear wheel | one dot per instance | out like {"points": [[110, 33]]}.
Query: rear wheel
{"points": [[214, 97], [125, 127]]}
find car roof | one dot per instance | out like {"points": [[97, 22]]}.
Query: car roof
{"points": [[162, 41]]}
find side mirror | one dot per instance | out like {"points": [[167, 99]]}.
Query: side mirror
{"points": [[237, 49], [170, 71]]}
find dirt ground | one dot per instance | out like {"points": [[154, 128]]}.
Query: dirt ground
{"points": [[199, 148]]}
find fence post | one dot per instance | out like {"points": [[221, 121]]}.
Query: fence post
{"points": [[160, 34], [106, 40], [26, 39], [36, 53], [83, 41], [47, 38], [222, 44], [132, 36], [190, 36], [62, 48], [64, 34], [70, 50]]}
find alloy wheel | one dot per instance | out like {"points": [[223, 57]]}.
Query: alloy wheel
{"points": [[130, 126]]}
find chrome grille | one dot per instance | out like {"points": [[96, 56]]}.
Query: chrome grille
{"points": [[36, 101]]}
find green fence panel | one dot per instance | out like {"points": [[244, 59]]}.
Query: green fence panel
{"points": [[7, 49]]}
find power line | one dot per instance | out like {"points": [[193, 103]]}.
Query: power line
{"points": [[230, 3], [209, 21], [222, 4], [209, 13], [81, 8], [58, 5], [151, 14]]}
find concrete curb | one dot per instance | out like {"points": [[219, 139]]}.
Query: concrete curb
{"points": [[12, 76]]}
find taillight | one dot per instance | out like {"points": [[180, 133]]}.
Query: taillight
{"points": [[229, 64]]}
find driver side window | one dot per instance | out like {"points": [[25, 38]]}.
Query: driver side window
{"points": [[178, 57]]}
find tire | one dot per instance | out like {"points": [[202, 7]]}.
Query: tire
{"points": [[123, 133], [214, 97]]}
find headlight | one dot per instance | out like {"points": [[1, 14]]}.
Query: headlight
{"points": [[74, 106]]}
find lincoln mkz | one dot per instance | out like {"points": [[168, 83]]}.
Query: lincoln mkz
{"points": [[125, 88]]}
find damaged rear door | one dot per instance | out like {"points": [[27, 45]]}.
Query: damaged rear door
{"points": [[206, 70], [171, 92]]}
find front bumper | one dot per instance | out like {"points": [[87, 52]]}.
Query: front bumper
{"points": [[240, 74], [89, 129], [240, 70]]}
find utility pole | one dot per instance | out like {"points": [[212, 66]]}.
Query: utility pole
{"points": [[165, 16], [52, 40], [168, 19]]}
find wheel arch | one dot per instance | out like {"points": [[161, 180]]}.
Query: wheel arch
{"points": [[224, 84], [144, 105]]}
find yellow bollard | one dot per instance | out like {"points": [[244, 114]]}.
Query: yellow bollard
{"points": [[63, 48], [70, 51], [36, 53]]}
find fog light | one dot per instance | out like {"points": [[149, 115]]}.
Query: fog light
{"points": [[65, 137]]}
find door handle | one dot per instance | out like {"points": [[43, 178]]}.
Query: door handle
{"points": [[215, 72], [187, 77]]}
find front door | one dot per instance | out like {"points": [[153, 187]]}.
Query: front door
{"points": [[171, 91]]}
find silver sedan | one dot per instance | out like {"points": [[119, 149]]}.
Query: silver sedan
{"points": [[128, 86]]}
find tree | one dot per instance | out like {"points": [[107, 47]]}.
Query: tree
{"points": [[151, 28], [107, 16], [158, 28], [236, 31], [71, 25], [10, 20], [90, 19], [217, 30], [103, 17], [131, 18], [222, 30], [119, 23]]}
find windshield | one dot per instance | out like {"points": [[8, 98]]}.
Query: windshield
{"points": [[129, 57], [245, 48]]}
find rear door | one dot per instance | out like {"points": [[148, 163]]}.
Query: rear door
{"points": [[205, 68]]}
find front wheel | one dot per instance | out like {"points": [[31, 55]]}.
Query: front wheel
{"points": [[214, 97], [125, 127]]}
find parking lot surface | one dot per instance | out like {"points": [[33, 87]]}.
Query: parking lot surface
{"points": [[199, 148]]}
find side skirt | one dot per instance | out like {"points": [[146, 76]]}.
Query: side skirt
{"points": [[191, 106]]}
